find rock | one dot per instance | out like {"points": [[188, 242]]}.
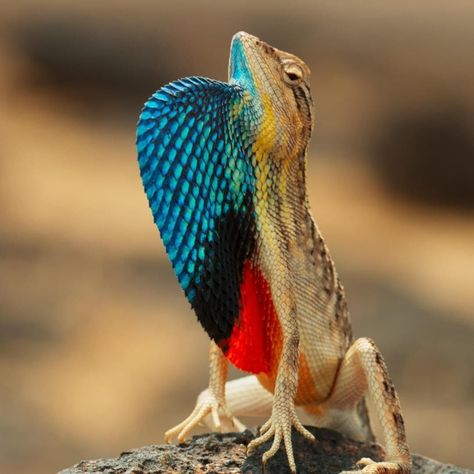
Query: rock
{"points": [[217, 453]]}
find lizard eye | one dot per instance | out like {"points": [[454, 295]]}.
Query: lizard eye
{"points": [[292, 73]]}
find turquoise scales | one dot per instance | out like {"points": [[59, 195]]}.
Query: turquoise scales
{"points": [[195, 163]]}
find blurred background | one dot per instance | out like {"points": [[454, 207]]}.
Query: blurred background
{"points": [[99, 350]]}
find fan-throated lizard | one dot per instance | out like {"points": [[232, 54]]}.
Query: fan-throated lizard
{"points": [[223, 167]]}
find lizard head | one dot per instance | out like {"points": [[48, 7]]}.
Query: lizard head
{"points": [[278, 86]]}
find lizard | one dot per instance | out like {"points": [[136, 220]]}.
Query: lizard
{"points": [[223, 165]]}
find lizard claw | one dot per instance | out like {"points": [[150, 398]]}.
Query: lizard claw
{"points": [[279, 426], [369, 466], [207, 404]]}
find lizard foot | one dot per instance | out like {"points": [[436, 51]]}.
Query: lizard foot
{"points": [[369, 466], [279, 426], [207, 403]]}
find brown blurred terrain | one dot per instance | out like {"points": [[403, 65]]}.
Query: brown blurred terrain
{"points": [[99, 351]]}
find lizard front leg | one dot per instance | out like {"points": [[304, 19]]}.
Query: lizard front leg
{"points": [[284, 417], [363, 371], [211, 401]]}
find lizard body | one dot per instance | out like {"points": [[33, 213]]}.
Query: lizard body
{"points": [[223, 166]]}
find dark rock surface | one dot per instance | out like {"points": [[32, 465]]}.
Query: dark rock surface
{"points": [[226, 453]]}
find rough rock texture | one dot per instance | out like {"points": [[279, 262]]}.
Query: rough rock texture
{"points": [[225, 453]]}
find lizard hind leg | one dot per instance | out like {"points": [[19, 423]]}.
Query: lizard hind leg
{"points": [[363, 372], [244, 397]]}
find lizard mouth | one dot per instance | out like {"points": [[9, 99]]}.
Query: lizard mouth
{"points": [[248, 59], [247, 42], [242, 36], [246, 39], [238, 63]]}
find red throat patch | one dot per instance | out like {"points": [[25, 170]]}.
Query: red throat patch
{"points": [[249, 347]]}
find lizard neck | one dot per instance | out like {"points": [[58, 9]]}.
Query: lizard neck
{"points": [[309, 258], [291, 186]]}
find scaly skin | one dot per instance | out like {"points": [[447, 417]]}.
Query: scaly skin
{"points": [[257, 270]]}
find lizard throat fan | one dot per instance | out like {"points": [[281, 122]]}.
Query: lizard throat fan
{"points": [[208, 160]]}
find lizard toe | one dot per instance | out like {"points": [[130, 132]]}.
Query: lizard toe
{"points": [[369, 466], [255, 443]]}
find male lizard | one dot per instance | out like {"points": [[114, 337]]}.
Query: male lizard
{"points": [[223, 167]]}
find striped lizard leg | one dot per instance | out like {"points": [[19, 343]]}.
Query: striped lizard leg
{"points": [[363, 372], [284, 417], [212, 401]]}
